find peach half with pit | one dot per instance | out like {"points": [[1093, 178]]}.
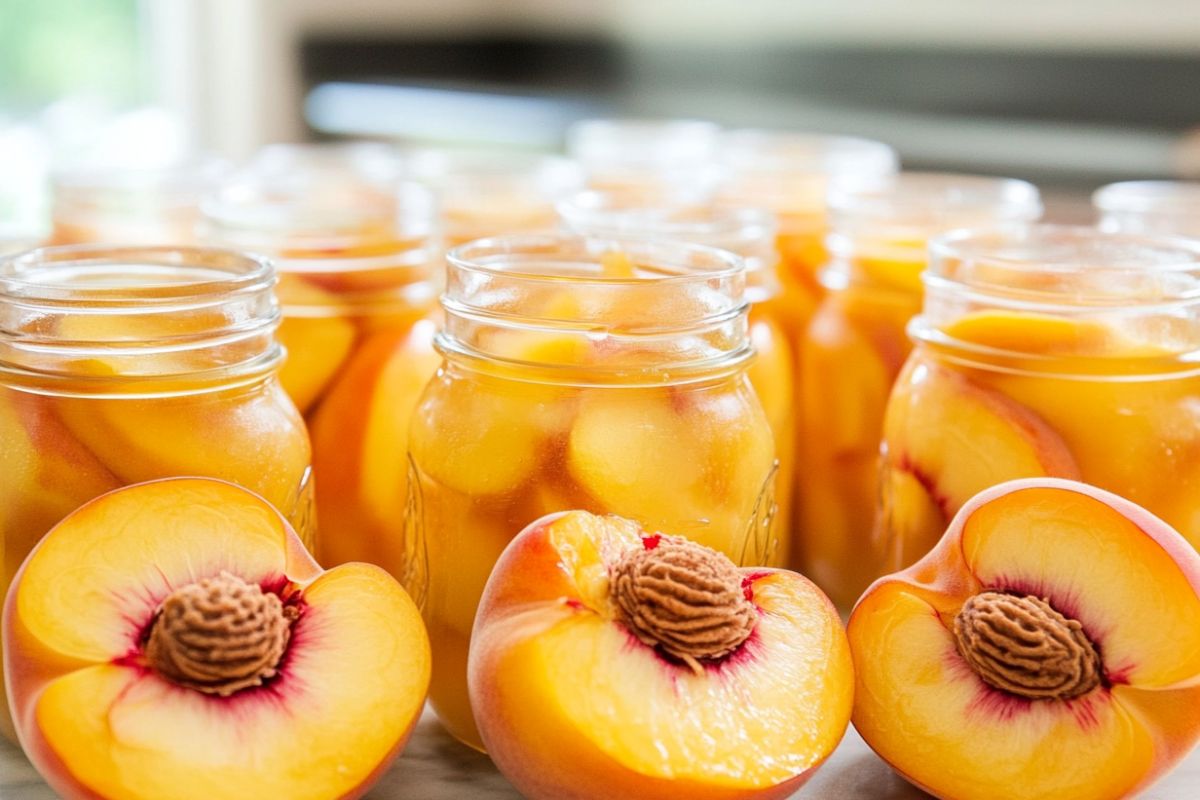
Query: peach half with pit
{"points": [[1047, 647], [173, 640], [608, 662]]}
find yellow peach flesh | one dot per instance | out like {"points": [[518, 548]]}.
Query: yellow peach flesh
{"points": [[360, 447], [316, 348], [1132, 583], [708, 455], [613, 713], [250, 436], [1144, 616], [957, 438], [973, 741], [481, 437], [98, 722]]}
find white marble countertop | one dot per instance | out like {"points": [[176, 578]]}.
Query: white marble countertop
{"points": [[436, 767]]}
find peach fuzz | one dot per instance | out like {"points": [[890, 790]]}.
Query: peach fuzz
{"points": [[174, 641], [1047, 647], [733, 683]]}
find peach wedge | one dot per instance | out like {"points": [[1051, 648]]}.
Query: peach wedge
{"points": [[1047, 647], [174, 641], [606, 662], [947, 437]]}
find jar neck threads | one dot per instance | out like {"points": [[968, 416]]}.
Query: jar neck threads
{"points": [[572, 309], [336, 220], [880, 231], [136, 319], [1083, 295], [747, 232]]}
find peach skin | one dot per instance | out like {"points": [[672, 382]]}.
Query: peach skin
{"points": [[1047, 647], [173, 640], [607, 662], [946, 438]]}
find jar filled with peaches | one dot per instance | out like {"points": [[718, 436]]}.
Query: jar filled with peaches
{"points": [[646, 159], [491, 193], [791, 175], [580, 374], [749, 233], [132, 204], [852, 351], [358, 256], [1157, 207], [122, 365], [1046, 351]]}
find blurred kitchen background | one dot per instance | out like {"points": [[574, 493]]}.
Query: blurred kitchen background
{"points": [[1070, 93]]}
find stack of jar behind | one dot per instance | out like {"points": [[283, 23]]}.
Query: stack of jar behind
{"points": [[854, 346], [359, 260]]}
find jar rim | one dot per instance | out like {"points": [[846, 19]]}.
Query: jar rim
{"points": [[800, 152], [487, 256], [433, 165], [186, 179], [642, 141], [1166, 198], [595, 212], [216, 271], [184, 319], [1064, 248], [914, 197]]}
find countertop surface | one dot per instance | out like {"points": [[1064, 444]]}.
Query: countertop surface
{"points": [[436, 767]]}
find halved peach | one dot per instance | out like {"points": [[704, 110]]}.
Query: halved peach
{"points": [[360, 446], [1047, 647], [955, 438], [606, 662], [174, 641]]}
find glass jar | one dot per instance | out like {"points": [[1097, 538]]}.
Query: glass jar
{"points": [[750, 233], [580, 374], [131, 205], [791, 174], [483, 193], [853, 349], [357, 255], [646, 159], [1046, 350], [1171, 207], [121, 365]]}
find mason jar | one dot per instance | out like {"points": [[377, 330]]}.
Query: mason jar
{"points": [[122, 365], [580, 374], [646, 159], [791, 174], [853, 349], [130, 205], [750, 233], [1156, 207], [1046, 350], [490, 193], [359, 258]]}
